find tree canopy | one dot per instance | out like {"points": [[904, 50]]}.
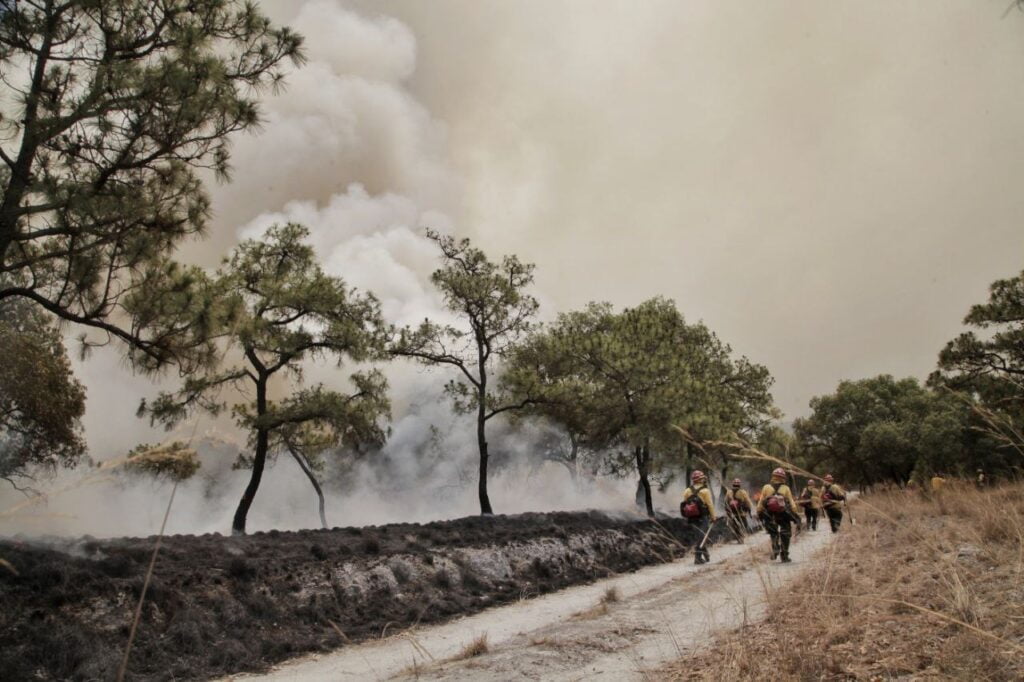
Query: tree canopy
{"points": [[276, 310], [491, 300], [41, 404], [113, 108], [618, 382], [883, 429]]}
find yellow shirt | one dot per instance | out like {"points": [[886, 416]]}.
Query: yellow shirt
{"points": [[740, 495], [770, 489], [705, 495], [812, 494], [836, 492]]}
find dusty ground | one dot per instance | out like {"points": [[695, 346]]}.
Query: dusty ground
{"points": [[619, 628], [923, 588], [220, 605]]}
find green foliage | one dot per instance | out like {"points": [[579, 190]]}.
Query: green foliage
{"points": [[987, 366], [175, 461], [617, 382], [491, 298], [115, 108], [41, 403], [884, 429], [277, 309], [627, 377]]}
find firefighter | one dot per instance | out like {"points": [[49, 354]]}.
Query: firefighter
{"points": [[810, 500], [737, 509], [698, 508], [832, 498], [776, 511]]}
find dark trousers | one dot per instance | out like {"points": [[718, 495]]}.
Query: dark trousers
{"points": [[835, 517], [699, 534], [780, 529], [812, 517], [737, 524]]}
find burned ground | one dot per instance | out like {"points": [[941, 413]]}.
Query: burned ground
{"points": [[218, 605]]}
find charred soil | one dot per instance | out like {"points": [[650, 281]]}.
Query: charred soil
{"points": [[218, 605]]}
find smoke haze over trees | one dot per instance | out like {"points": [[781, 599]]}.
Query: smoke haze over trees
{"points": [[552, 150]]}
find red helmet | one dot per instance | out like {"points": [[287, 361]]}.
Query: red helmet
{"points": [[829, 479], [697, 476], [736, 483], [780, 472]]}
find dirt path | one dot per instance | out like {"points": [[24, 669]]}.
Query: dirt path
{"points": [[662, 612]]}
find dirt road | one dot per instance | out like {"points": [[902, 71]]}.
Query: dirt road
{"points": [[661, 613]]}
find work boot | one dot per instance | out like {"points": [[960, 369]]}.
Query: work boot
{"points": [[786, 559]]}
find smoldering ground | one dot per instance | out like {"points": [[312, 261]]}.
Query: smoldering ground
{"points": [[220, 605]]}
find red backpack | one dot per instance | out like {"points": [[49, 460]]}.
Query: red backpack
{"points": [[776, 503], [693, 507]]}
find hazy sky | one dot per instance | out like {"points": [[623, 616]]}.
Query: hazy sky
{"points": [[828, 185]]}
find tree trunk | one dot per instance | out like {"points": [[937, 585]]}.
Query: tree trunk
{"points": [[574, 463], [258, 462], [485, 501], [481, 431], [18, 182], [689, 462], [308, 470], [574, 474], [643, 456], [481, 438]]}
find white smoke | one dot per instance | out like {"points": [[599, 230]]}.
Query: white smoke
{"points": [[349, 152]]}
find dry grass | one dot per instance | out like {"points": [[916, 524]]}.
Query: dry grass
{"points": [[478, 647], [596, 611], [610, 596], [921, 587]]}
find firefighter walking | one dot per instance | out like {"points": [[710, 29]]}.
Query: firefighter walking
{"points": [[832, 498], [776, 509], [737, 509], [698, 508], [810, 500]]}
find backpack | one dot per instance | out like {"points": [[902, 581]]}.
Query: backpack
{"points": [[693, 507], [828, 497], [776, 503]]}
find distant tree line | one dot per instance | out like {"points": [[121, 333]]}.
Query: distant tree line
{"points": [[969, 415]]}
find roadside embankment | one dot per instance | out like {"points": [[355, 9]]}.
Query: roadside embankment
{"points": [[218, 605]]}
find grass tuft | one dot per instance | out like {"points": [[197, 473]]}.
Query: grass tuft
{"points": [[478, 647]]}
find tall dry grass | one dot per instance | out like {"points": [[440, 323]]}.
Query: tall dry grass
{"points": [[925, 586]]}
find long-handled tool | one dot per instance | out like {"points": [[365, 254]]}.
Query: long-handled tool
{"points": [[846, 506]]}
